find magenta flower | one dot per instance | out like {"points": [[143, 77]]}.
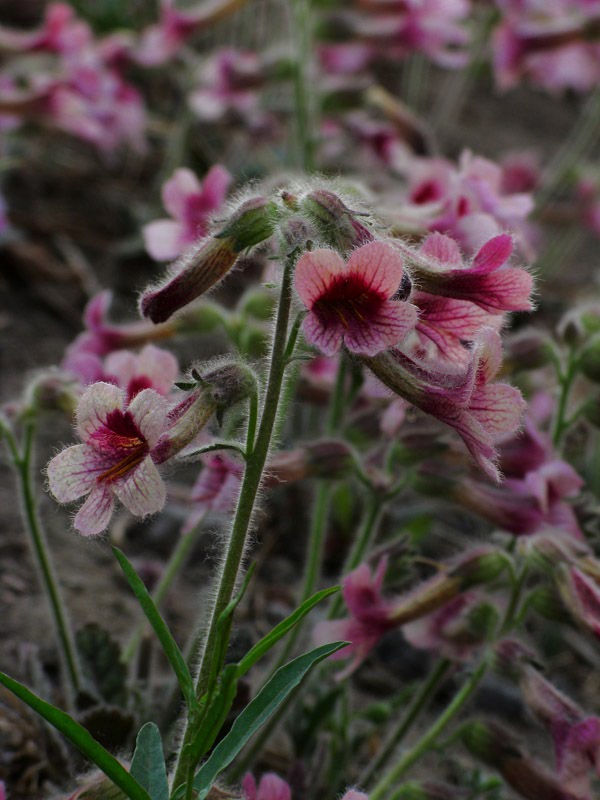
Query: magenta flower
{"points": [[116, 457], [447, 632], [190, 204], [480, 411], [581, 595], [576, 737], [61, 32], [271, 787], [228, 86], [370, 616], [352, 304], [216, 489], [488, 281]]}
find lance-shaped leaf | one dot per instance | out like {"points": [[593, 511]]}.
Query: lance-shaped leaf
{"points": [[280, 630], [80, 738], [148, 763], [257, 712], [169, 645]]}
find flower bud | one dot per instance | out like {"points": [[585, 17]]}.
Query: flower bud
{"points": [[529, 349], [589, 359], [591, 410], [481, 566], [495, 746], [258, 304], [581, 595], [575, 327], [545, 601], [203, 318], [337, 224], [295, 234], [327, 458], [52, 390], [202, 268]]}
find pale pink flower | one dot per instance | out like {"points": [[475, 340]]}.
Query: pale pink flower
{"points": [[353, 794], [151, 368], [575, 735], [216, 489], [229, 85], [448, 631], [271, 787], [116, 457], [581, 595], [160, 42], [488, 280], [352, 303], [480, 411], [60, 32], [346, 58], [190, 204]]}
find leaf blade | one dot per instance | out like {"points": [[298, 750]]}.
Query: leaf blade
{"points": [[148, 763], [79, 737]]}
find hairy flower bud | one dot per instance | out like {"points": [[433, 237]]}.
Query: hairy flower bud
{"points": [[529, 349], [326, 458], [338, 225], [589, 359], [202, 268], [52, 390]]}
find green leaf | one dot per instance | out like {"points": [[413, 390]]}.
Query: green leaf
{"points": [[148, 763], [280, 630], [257, 712], [79, 737], [169, 645], [101, 663]]}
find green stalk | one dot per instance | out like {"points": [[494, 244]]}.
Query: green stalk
{"points": [[566, 382], [419, 704], [253, 472], [428, 740], [304, 108], [174, 565], [24, 468]]}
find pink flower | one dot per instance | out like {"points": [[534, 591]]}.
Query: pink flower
{"points": [[228, 85], [353, 794], [216, 489], [60, 32], [3, 794], [487, 281], [480, 411], [370, 616], [352, 304], [152, 368], [581, 595], [116, 457], [271, 787], [447, 632], [576, 737], [190, 204]]}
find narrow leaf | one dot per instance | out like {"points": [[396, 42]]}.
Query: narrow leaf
{"points": [[148, 763], [257, 712], [79, 737], [280, 630], [165, 637]]}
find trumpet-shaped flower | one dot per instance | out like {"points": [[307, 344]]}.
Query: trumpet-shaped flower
{"points": [[190, 203], [116, 457], [352, 303]]}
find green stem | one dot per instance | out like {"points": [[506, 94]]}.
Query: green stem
{"points": [[560, 424], [419, 704], [174, 565], [253, 472], [37, 538], [428, 740], [302, 77]]}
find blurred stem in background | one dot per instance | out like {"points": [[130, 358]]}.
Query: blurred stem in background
{"points": [[304, 90]]}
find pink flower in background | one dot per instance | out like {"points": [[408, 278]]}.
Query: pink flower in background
{"points": [[216, 489], [581, 595], [152, 368], [552, 45], [352, 304], [370, 616], [271, 787], [115, 458], [228, 85], [190, 204], [353, 794], [61, 32], [160, 42], [447, 632], [487, 280], [576, 737]]}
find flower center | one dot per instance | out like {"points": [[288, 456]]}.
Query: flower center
{"points": [[138, 453], [349, 301]]}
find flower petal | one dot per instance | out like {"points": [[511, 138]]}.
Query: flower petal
{"points": [[493, 254], [164, 239], [327, 337], [314, 273], [442, 249], [73, 473], [148, 410], [142, 490], [160, 366], [94, 515], [177, 190], [95, 405], [215, 186], [388, 326], [380, 265]]}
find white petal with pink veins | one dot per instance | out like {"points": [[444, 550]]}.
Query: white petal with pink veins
{"points": [[314, 274], [94, 515], [94, 407], [380, 265], [160, 366], [75, 471], [148, 410], [142, 490]]}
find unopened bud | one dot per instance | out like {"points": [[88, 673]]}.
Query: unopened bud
{"points": [[589, 359], [258, 304], [295, 234], [529, 349], [580, 323], [481, 566], [338, 225], [546, 602], [203, 318], [328, 458], [250, 224], [53, 390]]}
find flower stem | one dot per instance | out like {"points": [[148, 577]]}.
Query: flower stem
{"points": [[304, 108], [428, 740], [174, 565], [566, 382], [39, 545], [419, 704], [253, 472]]}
